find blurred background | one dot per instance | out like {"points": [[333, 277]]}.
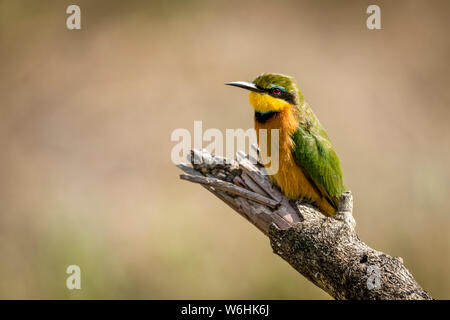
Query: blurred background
{"points": [[86, 117]]}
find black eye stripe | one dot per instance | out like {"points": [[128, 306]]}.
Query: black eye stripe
{"points": [[285, 95]]}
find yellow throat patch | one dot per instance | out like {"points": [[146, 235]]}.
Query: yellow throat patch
{"points": [[263, 102]]}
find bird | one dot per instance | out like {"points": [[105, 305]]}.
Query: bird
{"points": [[309, 168]]}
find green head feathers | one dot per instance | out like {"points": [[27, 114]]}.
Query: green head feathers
{"points": [[286, 85]]}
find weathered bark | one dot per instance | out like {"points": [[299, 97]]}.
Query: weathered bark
{"points": [[325, 250]]}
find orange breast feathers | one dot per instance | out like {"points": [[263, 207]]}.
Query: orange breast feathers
{"points": [[289, 177]]}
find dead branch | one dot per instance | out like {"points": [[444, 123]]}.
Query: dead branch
{"points": [[327, 251]]}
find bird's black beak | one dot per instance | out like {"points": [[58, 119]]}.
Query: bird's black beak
{"points": [[245, 85]]}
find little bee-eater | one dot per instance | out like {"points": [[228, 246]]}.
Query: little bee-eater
{"points": [[309, 167]]}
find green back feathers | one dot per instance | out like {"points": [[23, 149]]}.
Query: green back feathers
{"points": [[315, 154]]}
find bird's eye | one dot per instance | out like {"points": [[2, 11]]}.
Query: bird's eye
{"points": [[276, 91]]}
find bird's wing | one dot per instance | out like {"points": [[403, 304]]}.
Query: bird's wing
{"points": [[316, 156]]}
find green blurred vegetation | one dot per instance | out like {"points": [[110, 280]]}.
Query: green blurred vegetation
{"points": [[86, 118]]}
